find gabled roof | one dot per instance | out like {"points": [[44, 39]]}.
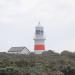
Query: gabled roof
{"points": [[17, 49]]}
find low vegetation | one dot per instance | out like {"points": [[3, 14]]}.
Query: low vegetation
{"points": [[48, 63]]}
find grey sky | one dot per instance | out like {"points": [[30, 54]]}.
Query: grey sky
{"points": [[18, 19]]}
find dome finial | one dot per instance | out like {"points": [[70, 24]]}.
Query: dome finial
{"points": [[39, 23]]}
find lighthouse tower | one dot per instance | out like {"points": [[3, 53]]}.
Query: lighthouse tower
{"points": [[39, 40]]}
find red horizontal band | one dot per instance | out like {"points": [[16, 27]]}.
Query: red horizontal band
{"points": [[39, 47]]}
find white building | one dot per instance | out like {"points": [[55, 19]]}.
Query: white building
{"points": [[19, 50]]}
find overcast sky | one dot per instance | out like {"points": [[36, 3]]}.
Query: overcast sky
{"points": [[18, 19]]}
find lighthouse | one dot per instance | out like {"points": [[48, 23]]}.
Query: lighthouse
{"points": [[39, 39]]}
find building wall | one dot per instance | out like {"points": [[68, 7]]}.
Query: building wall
{"points": [[39, 51], [14, 52], [25, 51], [40, 41]]}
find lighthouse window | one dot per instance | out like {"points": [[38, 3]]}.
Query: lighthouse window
{"points": [[39, 31]]}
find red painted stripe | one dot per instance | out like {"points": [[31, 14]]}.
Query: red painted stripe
{"points": [[39, 47]]}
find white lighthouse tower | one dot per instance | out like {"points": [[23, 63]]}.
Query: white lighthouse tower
{"points": [[39, 40]]}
